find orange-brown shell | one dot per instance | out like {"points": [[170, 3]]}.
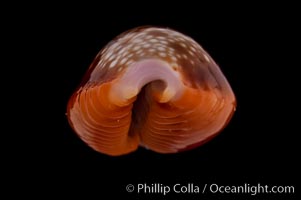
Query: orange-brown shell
{"points": [[152, 87]]}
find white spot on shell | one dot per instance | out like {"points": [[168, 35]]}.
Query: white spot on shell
{"points": [[147, 45], [117, 48], [163, 42], [129, 62], [136, 47], [161, 48], [162, 54], [111, 57], [139, 52], [174, 66], [154, 40], [123, 61], [151, 50], [206, 57], [108, 54], [173, 58], [138, 40], [183, 45], [161, 38], [113, 64], [129, 55], [122, 51], [192, 48], [171, 49], [191, 53], [181, 39], [113, 45]]}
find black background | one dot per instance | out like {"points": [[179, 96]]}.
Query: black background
{"points": [[253, 47]]}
